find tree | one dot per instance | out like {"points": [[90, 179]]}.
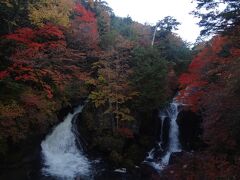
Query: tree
{"points": [[33, 45], [83, 32], [103, 13], [166, 25], [142, 33], [211, 87], [13, 15], [112, 87], [57, 12], [123, 26], [172, 47], [149, 77], [214, 20]]}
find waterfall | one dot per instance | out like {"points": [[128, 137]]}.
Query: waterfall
{"points": [[171, 112], [61, 157]]}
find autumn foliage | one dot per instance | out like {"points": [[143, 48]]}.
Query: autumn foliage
{"points": [[65, 51], [195, 82], [32, 45], [39, 71], [211, 88], [84, 29]]}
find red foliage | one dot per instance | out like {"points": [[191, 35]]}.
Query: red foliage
{"points": [[23, 35], [83, 15], [49, 32], [84, 28], [37, 41], [34, 44], [195, 82], [126, 132], [211, 87], [3, 74], [36, 58]]}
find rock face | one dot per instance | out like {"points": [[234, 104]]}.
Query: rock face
{"points": [[190, 130], [175, 157], [149, 173]]}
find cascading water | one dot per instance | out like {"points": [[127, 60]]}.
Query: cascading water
{"points": [[171, 112], [61, 157]]}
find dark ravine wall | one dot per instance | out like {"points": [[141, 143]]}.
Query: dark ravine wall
{"points": [[190, 130]]}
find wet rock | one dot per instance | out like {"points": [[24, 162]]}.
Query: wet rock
{"points": [[121, 170], [189, 130], [175, 157], [149, 173]]}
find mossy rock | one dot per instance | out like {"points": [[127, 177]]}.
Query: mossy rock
{"points": [[116, 159], [135, 153], [109, 143]]}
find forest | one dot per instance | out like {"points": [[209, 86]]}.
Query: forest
{"points": [[57, 54]]}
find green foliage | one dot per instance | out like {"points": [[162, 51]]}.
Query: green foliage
{"points": [[181, 66], [172, 47], [13, 15], [11, 90], [149, 77], [168, 23], [214, 19], [103, 13], [108, 40], [109, 143], [116, 158], [123, 26], [135, 153]]}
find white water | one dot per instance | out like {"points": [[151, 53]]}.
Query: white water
{"points": [[174, 145], [61, 156]]}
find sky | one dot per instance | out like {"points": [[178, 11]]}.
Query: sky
{"points": [[151, 11]]}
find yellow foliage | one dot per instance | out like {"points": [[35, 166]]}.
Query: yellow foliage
{"points": [[7, 3], [11, 111], [99, 98], [55, 11], [91, 3], [124, 114]]}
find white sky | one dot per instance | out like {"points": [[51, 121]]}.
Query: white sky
{"points": [[151, 11]]}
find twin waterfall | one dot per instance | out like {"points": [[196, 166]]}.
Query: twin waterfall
{"points": [[159, 163], [64, 159], [61, 156]]}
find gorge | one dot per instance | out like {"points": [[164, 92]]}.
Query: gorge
{"points": [[86, 94]]}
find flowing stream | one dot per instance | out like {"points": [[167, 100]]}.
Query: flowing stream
{"points": [[61, 156], [159, 163]]}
